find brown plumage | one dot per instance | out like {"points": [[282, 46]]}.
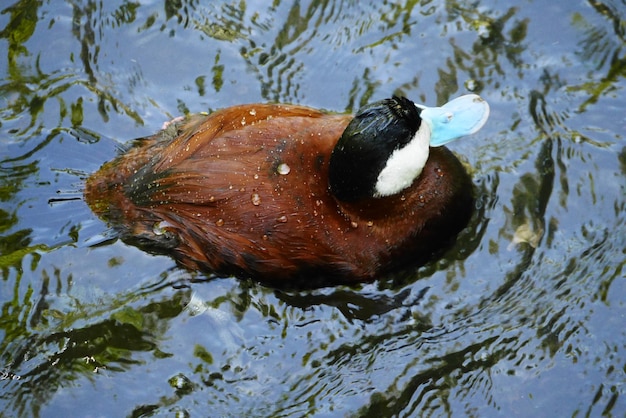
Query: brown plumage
{"points": [[245, 191]]}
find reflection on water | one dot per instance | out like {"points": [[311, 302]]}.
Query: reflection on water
{"points": [[524, 314]]}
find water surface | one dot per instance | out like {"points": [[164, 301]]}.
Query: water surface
{"points": [[523, 316]]}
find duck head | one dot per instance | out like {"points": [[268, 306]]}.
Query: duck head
{"points": [[385, 147]]}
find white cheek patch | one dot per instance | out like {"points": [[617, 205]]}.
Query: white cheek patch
{"points": [[404, 165]]}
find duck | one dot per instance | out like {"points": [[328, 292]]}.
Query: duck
{"points": [[284, 193]]}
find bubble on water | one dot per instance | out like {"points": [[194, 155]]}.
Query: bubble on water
{"points": [[471, 84], [525, 234], [483, 28], [181, 383], [196, 305]]}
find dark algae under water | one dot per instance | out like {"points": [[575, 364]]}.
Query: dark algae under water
{"points": [[522, 316]]}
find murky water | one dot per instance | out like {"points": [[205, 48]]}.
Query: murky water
{"points": [[524, 316]]}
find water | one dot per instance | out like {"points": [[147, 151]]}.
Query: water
{"points": [[523, 316]]}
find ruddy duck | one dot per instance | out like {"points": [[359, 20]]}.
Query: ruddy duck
{"points": [[281, 192]]}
